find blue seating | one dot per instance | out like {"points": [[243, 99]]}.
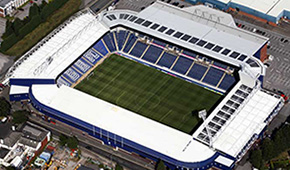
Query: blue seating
{"points": [[152, 54], [92, 56], [227, 82], [220, 65], [166, 60], [138, 49], [182, 65], [71, 75], [61, 81], [108, 39], [130, 43], [159, 43], [82, 66], [121, 38], [197, 71], [191, 54], [213, 76], [99, 46]]}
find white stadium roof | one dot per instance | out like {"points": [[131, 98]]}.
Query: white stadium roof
{"points": [[125, 123], [197, 21], [59, 49]]}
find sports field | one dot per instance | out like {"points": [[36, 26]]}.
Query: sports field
{"points": [[148, 92]]}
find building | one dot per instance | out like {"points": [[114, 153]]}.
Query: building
{"points": [[46, 73], [19, 146], [265, 10], [9, 6]]}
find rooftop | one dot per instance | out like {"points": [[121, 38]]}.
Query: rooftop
{"points": [[270, 7], [3, 3], [3, 152]]}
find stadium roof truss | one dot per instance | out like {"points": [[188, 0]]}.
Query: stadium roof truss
{"points": [[234, 124]]}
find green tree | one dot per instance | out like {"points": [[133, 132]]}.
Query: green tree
{"points": [[118, 167], [20, 116], [9, 42], [267, 149], [160, 165], [72, 142], [43, 4], [8, 29], [256, 158], [62, 139], [33, 10], [17, 25], [5, 107]]}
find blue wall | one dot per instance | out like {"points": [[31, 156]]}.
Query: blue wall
{"points": [[18, 97], [29, 82]]}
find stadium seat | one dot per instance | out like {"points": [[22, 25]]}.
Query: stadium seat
{"points": [[61, 81], [227, 82], [92, 56], [166, 60], [130, 43], [72, 75], [182, 65], [99, 46], [109, 41], [121, 38], [197, 71], [152, 54], [82, 65], [213, 76], [138, 49]]}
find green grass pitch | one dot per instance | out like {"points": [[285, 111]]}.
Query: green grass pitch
{"points": [[148, 92]]}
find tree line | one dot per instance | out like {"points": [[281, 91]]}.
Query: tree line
{"points": [[18, 29], [271, 147]]}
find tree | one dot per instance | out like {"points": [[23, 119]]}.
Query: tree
{"points": [[43, 4], [5, 107], [256, 158], [33, 11], [118, 167], [20, 116], [267, 149], [62, 139], [8, 29], [17, 25], [72, 142], [160, 165]]}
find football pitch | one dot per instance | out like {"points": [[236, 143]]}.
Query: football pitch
{"points": [[149, 92]]}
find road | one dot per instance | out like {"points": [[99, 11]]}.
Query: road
{"points": [[124, 159], [97, 6]]}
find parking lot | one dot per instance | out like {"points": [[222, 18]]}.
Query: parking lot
{"points": [[278, 72], [138, 5]]}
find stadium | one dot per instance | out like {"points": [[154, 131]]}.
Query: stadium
{"points": [[136, 82]]}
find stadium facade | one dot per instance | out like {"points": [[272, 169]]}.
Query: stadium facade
{"points": [[199, 44], [268, 10]]}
